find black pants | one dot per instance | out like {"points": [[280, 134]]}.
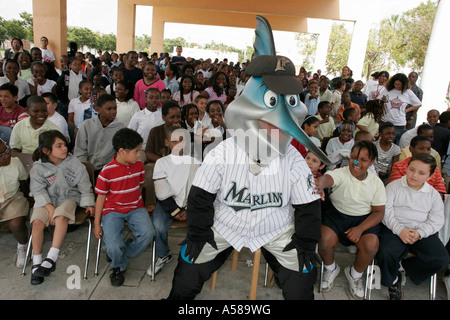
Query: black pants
{"points": [[430, 257], [189, 278]]}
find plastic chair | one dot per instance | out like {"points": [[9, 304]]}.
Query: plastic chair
{"points": [[81, 216]]}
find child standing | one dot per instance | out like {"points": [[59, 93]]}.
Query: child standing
{"points": [[119, 200], [414, 215], [150, 80], [14, 205], [388, 151], [59, 183], [10, 112], [173, 176], [352, 216]]}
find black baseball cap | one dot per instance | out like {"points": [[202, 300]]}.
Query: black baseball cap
{"points": [[278, 73]]}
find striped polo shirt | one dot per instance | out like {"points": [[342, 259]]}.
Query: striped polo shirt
{"points": [[121, 185]]}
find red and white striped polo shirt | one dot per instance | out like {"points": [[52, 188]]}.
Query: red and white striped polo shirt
{"points": [[121, 185]]}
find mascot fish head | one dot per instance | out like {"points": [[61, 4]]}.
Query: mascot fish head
{"points": [[269, 111]]}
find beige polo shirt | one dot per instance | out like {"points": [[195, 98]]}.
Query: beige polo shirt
{"points": [[25, 138], [10, 176], [353, 197]]}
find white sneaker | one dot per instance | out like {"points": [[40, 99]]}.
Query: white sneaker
{"points": [[160, 263], [328, 278], [356, 285], [20, 256]]}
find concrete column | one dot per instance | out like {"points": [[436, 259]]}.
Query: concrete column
{"points": [[50, 20], [358, 47], [322, 45], [157, 30], [126, 21], [436, 70]]}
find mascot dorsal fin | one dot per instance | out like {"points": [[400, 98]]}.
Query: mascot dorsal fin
{"points": [[264, 43]]}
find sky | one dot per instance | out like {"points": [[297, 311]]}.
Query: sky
{"points": [[84, 13]]}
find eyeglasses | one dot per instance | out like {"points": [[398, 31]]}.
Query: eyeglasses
{"points": [[7, 151]]}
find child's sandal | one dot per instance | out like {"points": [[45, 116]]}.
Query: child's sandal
{"points": [[45, 272]]}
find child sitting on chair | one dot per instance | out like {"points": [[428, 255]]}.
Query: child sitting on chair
{"points": [[119, 200], [352, 216], [59, 183], [173, 175], [414, 215]]}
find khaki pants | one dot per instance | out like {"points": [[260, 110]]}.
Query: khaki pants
{"points": [[66, 209]]}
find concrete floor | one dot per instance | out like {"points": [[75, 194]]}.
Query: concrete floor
{"points": [[67, 282]]}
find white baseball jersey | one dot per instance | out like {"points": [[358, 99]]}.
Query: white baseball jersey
{"points": [[251, 210]]}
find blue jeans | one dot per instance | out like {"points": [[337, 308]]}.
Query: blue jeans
{"points": [[162, 221], [5, 134], [117, 249]]}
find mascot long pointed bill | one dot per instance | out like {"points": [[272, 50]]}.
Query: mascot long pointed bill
{"points": [[268, 114]]}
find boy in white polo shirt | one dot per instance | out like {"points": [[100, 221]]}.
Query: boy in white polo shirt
{"points": [[352, 216], [173, 176], [414, 216]]}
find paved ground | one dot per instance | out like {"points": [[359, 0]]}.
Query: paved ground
{"points": [[67, 282]]}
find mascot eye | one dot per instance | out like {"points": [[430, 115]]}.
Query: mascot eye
{"points": [[292, 100], [270, 99]]}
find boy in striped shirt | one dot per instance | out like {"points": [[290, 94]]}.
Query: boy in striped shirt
{"points": [[119, 200]]}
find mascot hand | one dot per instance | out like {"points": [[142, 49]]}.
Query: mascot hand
{"points": [[193, 248], [306, 253]]}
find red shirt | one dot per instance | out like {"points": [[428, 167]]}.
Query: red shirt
{"points": [[301, 148], [121, 185], [9, 119], [399, 170]]}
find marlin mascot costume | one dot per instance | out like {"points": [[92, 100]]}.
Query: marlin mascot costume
{"points": [[254, 189]]}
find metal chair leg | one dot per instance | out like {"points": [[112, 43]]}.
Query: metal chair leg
{"points": [[321, 277], [369, 280], [433, 287], [99, 244], [88, 246], [153, 260], [266, 275], [27, 256]]}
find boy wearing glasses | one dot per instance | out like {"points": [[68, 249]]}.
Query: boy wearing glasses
{"points": [[14, 206]]}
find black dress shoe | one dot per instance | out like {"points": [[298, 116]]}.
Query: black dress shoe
{"points": [[35, 280], [45, 272]]}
